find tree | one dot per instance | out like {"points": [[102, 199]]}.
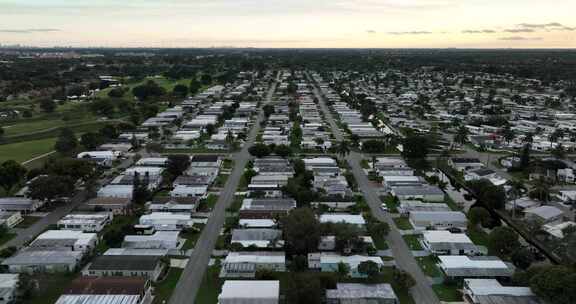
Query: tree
{"points": [[1, 132], [415, 147], [104, 107], [503, 241], [11, 174], [522, 258], [50, 187], [91, 140], [508, 134], [109, 132], [66, 142], [194, 86], [369, 269], [206, 79], [461, 136], [259, 150], [379, 228], [555, 284], [374, 146], [180, 90], [47, 105], [283, 151], [343, 148], [403, 279], [148, 90], [268, 110], [77, 169], [343, 270], [493, 197], [116, 93], [479, 215], [559, 151], [140, 194], [525, 156], [210, 129], [177, 164], [541, 189], [305, 290], [516, 189], [301, 230]]}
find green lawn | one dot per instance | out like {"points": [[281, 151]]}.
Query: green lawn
{"points": [[447, 293], [412, 241], [163, 290], [210, 287], [391, 203], [451, 203], [6, 237], [478, 236], [236, 204], [403, 223], [28, 221], [379, 242], [208, 203], [227, 164], [24, 151], [428, 265], [191, 237], [221, 180]]}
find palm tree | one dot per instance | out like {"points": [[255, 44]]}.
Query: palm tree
{"points": [[343, 148], [516, 188], [461, 136], [541, 187], [529, 138]]}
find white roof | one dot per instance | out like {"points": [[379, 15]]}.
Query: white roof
{"points": [[346, 218], [260, 257], [166, 236], [250, 290], [444, 236], [255, 223], [98, 299], [462, 261], [353, 260], [80, 237], [484, 287], [8, 280]]}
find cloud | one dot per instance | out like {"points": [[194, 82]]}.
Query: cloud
{"points": [[520, 38], [540, 25], [28, 31], [478, 31], [552, 26], [371, 31], [411, 33], [520, 30]]}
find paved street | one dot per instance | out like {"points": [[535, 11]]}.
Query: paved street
{"points": [[422, 292], [191, 279]]}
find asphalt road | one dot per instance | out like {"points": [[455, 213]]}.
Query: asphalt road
{"points": [[191, 279], [421, 292]]}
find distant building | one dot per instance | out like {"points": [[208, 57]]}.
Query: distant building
{"points": [[126, 266], [244, 292], [464, 267], [8, 287], [490, 291], [110, 290], [353, 293]]}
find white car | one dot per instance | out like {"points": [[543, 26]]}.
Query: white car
{"points": [[384, 207]]}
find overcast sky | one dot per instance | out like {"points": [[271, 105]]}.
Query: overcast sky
{"points": [[290, 23]]}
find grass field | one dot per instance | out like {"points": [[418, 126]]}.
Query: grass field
{"points": [[403, 223], [428, 265], [412, 241], [25, 127], [24, 151], [163, 290], [447, 293]]}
